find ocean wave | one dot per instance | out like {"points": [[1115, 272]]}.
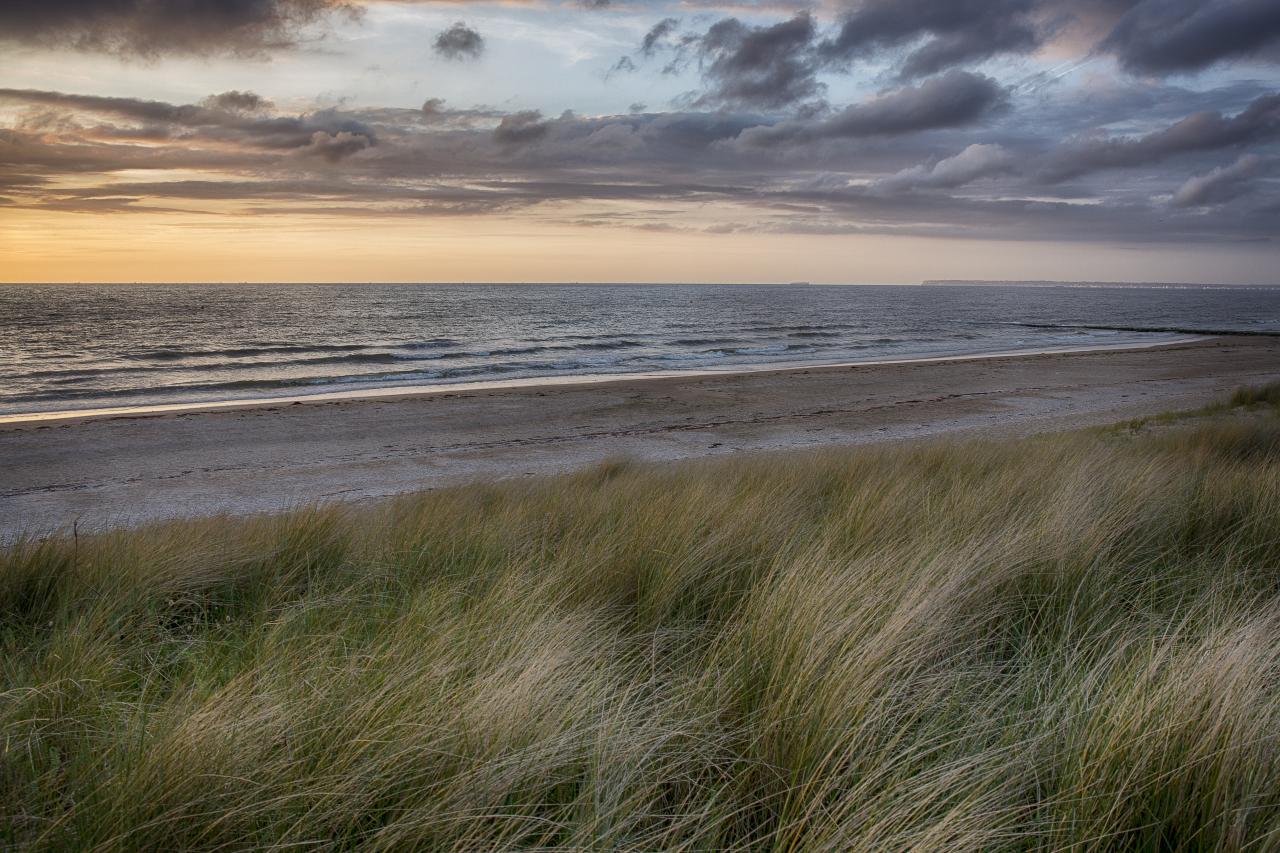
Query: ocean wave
{"points": [[697, 342], [85, 373], [106, 380], [173, 354], [433, 343], [773, 349], [685, 356], [162, 391], [824, 327], [1182, 330], [607, 345]]}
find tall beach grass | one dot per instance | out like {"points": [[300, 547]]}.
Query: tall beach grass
{"points": [[1067, 642]]}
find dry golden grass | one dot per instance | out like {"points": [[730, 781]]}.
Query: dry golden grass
{"points": [[1065, 642]]}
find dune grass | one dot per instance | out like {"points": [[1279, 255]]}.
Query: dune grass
{"points": [[1070, 642]]}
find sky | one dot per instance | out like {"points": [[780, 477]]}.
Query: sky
{"points": [[842, 141]]}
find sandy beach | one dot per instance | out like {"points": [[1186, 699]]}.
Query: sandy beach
{"points": [[113, 470]]}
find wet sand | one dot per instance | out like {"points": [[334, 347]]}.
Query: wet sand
{"points": [[111, 470]]}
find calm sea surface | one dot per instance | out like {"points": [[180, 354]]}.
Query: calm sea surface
{"points": [[83, 347]]}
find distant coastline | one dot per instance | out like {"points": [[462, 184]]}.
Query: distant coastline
{"points": [[1163, 285]]}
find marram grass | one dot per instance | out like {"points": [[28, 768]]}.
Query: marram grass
{"points": [[1070, 642]]}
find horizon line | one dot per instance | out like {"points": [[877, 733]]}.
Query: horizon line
{"points": [[582, 283]]}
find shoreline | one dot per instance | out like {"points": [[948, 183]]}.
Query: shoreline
{"points": [[122, 471], [398, 392]]}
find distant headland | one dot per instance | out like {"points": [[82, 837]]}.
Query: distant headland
{"points": [[947, 282]]}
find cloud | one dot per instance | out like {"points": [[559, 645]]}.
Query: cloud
{"points": [[767, 67], [133, 108], [779, 65], [333, 147], [954, 32], [954, 99], [1165, 36], [231, 117], [658, 36], [434, 111], [236, 101], [1146, 36], [624, 65], [1221, 185], [521, 128], [977, 161], [155, 27], [661, 36], [1203, 131], [863, 172], [460, 42]]}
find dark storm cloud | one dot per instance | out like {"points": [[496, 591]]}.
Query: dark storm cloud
{"points": [[1146, 36], [521, 128], [766, 67], [459, 42], [955, 31], [153, 27], [333, 147], [954, 99], [232, 117], [867, 169], [778, 65], [1164, 36], [1203, 131], [1004, 35]]}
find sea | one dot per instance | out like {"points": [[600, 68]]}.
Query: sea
{"points": [[91, 347]]}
